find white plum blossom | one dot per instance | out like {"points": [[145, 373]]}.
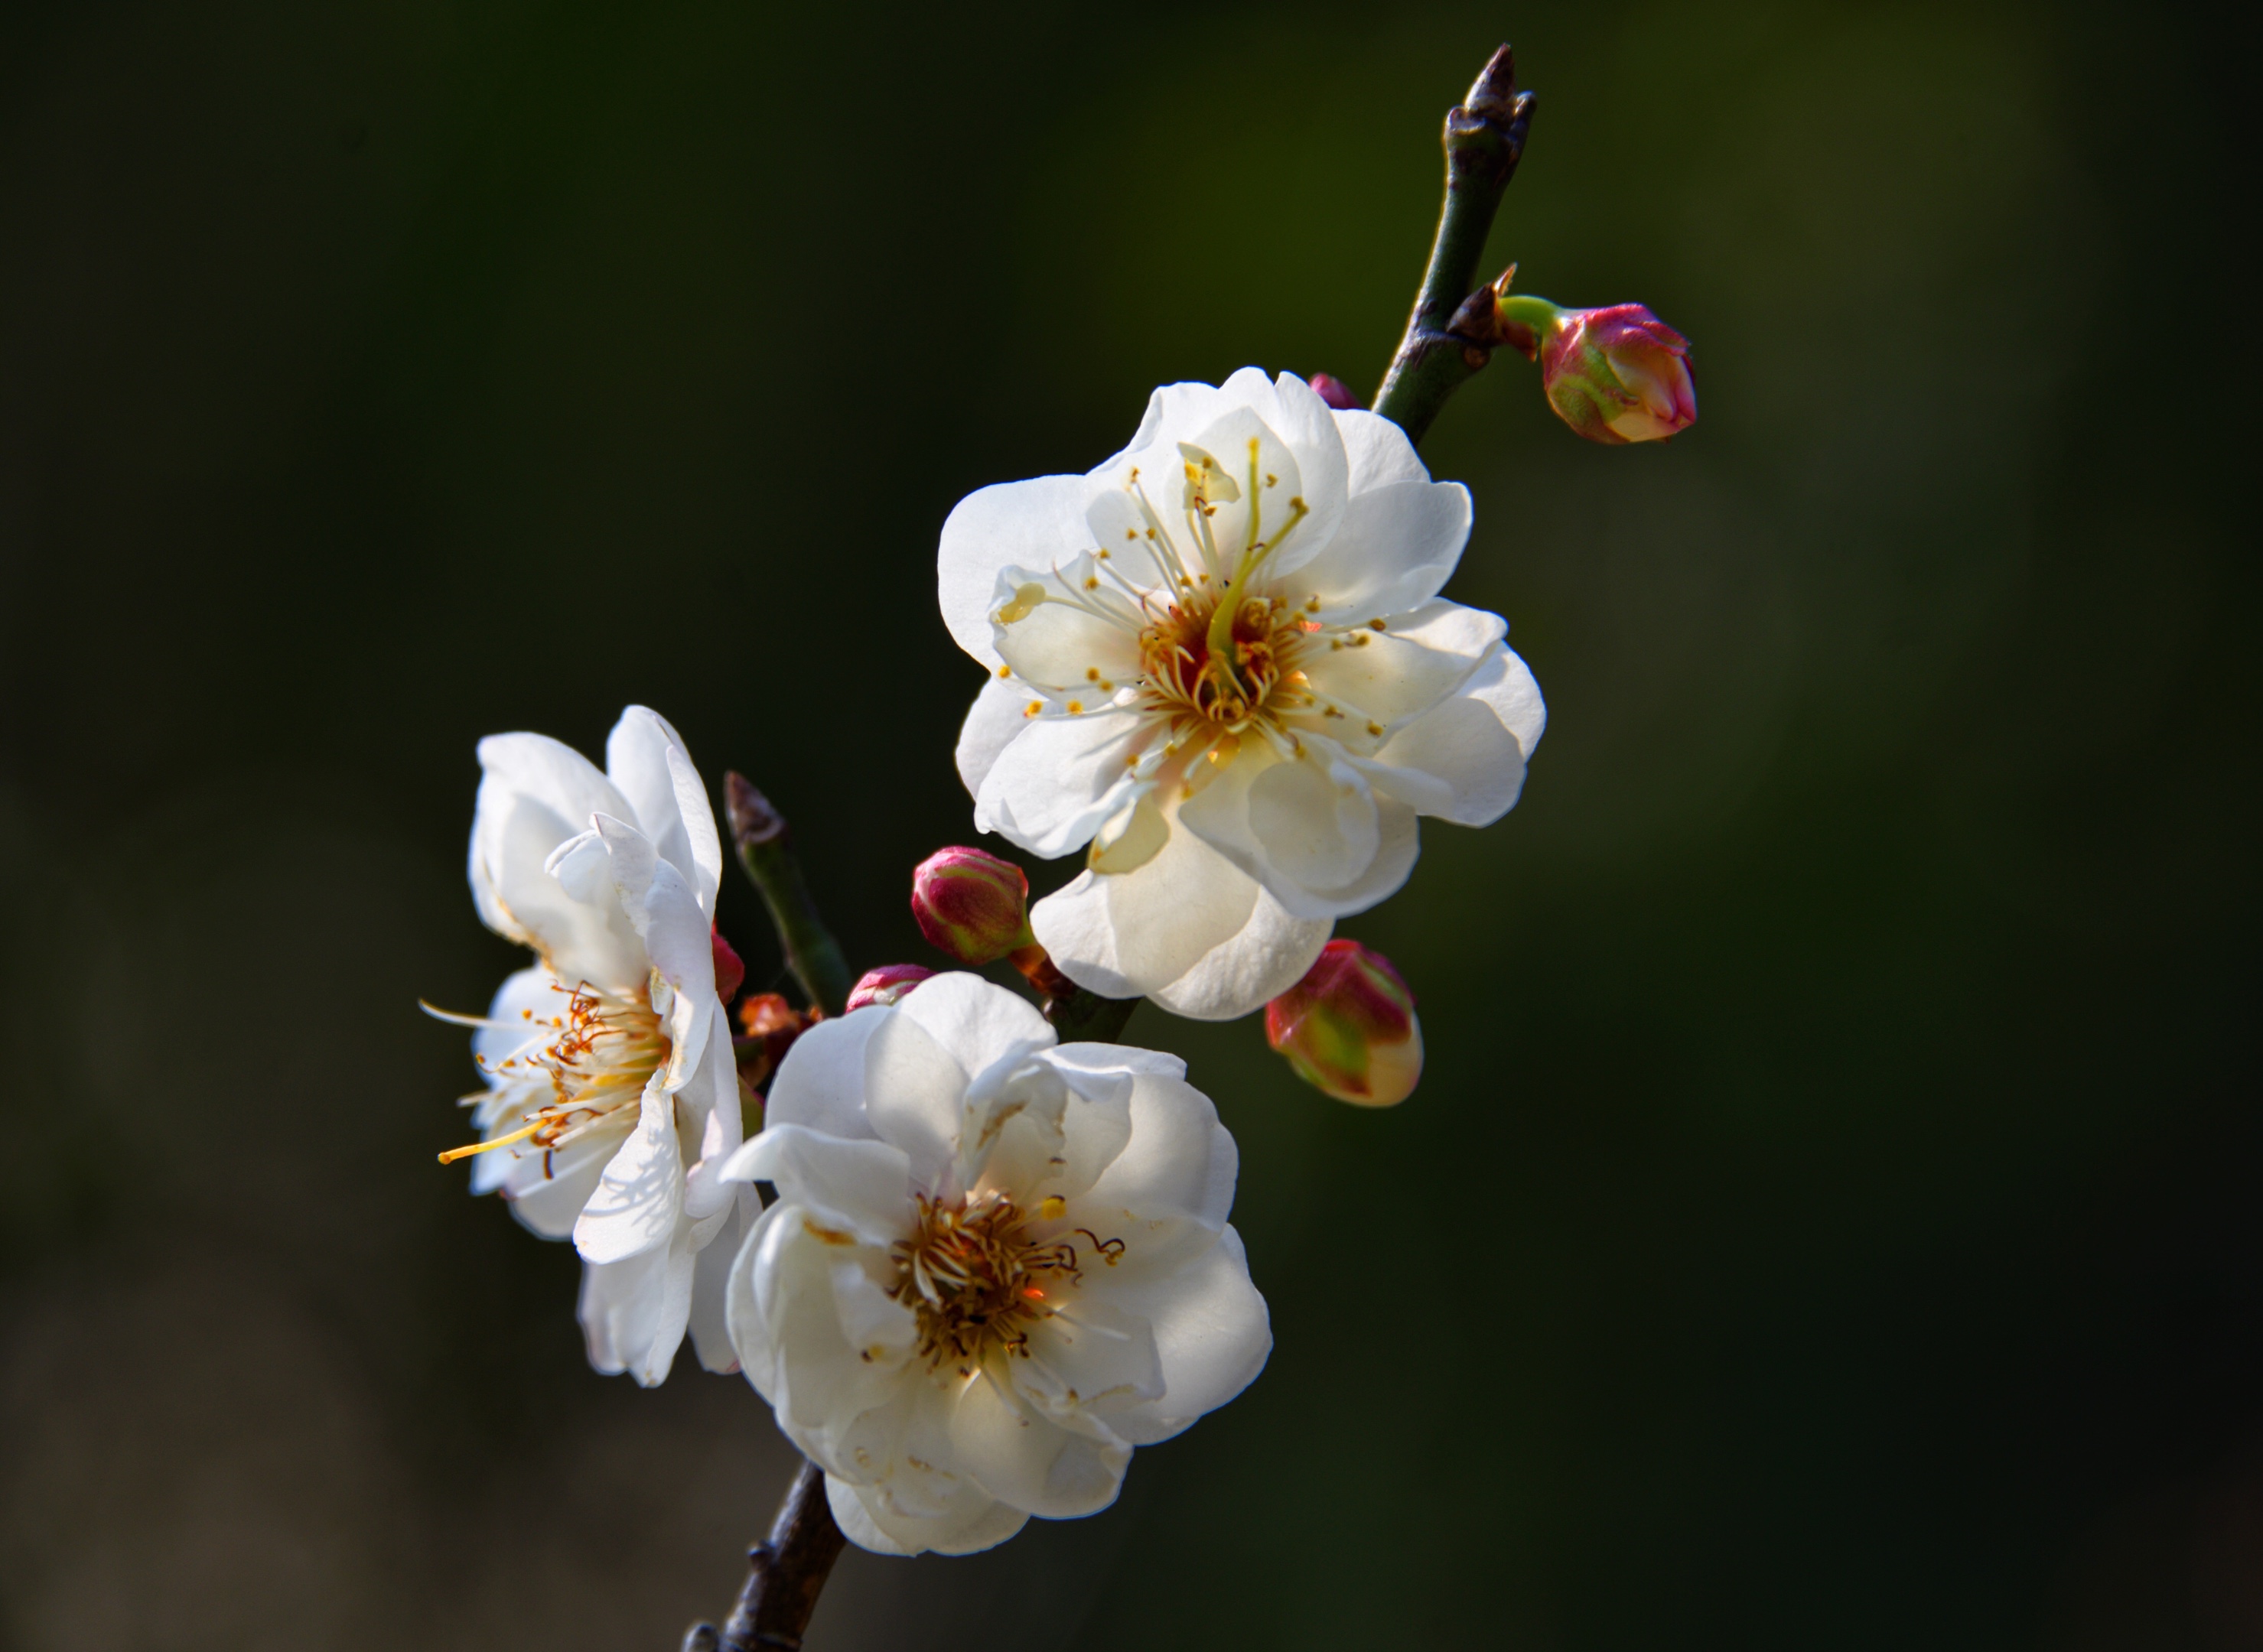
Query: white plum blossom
{"points": [[1221, 661], [613, 1096], [996, 1264]]}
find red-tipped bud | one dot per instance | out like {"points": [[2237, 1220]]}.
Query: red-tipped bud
{"points": [[973, 905], [1334, 390], [1618, 374], [1348, 1028], [730, 973], [886, 984]]}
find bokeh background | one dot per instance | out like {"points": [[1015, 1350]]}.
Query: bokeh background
{"points": [[1832, 1217]]}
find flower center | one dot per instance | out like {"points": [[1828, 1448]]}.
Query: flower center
{"points": [[605, 1049], [976, 1280], [1198, 670]]}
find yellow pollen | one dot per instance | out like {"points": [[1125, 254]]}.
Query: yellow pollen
{"points": [[1375, 728], [976, 1280], [1092, 583], [1092, 673], [1374, 625], [608, 1044], [1054, 1209], [1004, 672], [1076, 707], [1033, 708]]}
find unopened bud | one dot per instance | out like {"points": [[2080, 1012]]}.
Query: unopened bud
{"points": [[886, 984], [973, 905], [730, 973], [1348, 1028], [1617, 374], [1334, 392]]}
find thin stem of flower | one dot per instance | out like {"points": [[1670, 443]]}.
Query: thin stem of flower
{"points": [[765, 849], [1483, 140], [785, 1573]]}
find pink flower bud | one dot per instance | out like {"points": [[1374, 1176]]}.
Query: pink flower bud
{"points": [[730, 973], [1618, 374], [1348, 1028], [973, 905], [1334, 390], [886, 984]]}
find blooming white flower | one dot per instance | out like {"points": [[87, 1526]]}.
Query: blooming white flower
{"points": [[613, 1096], [996, 1264], [1220, 659]]}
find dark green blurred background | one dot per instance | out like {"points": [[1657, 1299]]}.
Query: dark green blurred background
{"points": [[1831, 1220]]}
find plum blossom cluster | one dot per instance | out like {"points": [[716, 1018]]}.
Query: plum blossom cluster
{"points": [[971, 1249]]}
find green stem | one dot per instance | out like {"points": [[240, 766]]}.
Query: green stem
{"points": [[766, 851], [1527, 311], [1484, 139]]}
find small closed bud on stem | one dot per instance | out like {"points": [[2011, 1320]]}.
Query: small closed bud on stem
{"points": [[886, 984], [1334, 392], [1348, 1028], [1615, 375], [973, 905]]}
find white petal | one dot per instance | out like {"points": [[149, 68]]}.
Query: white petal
{"points": [[711, 1279], [1090, 1359], [914, 1092], [1398, 674], [1180, 1163], [974, 1522], [708, 1104], [1312, 817], [646, 760], [549, 1190], [1125, 935], [1056, 641], [525, 1003], [1034, 524], [535, 795], [640, 1196], [1320, 847], [821, 1083], [866, 1187], [676, 936], [973, 1019], [1377, 451], [633, 1312], [1264, 958], [1397, 548], [1213, 1335], [785, 1312], [1463, 761], [1056, 782], [1261, 475], [995, 717], [1022, 1457], [1307, 425]]}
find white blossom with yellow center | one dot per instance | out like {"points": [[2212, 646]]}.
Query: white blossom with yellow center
{"points": [[1220, 664], [611, 1097], [996, 1264]]}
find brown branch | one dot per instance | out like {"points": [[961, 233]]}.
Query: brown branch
{"points": [[784, 1575], [1484, 140]]}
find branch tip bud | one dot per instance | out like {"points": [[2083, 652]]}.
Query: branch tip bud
{"points": [[1334, 392], [754, 819]]}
